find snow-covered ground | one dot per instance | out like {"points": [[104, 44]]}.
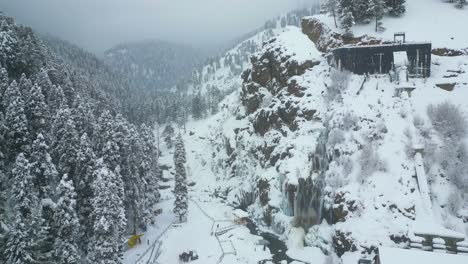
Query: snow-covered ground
{"points": [[435, 21], [401, 256]]}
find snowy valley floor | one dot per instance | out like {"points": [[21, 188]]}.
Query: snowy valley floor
{"points": [[197, 235]]}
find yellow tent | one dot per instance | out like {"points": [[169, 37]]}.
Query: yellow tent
{"points": [[132, 242]]}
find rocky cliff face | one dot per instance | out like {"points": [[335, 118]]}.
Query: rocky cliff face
{"points": [[327, 39]]}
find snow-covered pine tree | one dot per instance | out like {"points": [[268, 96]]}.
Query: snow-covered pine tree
{"points": [[347, 21], [67, 224], [3, 84], [396, 7], [37, 110], [24, 86], [43, 170], [150, 172], [55, 99], [21, 236], [83, 117], [3, 203], [331, 6], [377, 9], [16, 123], [104, 130], [108, 216], [44, 177], [168, 134], [180, 188], [65, 144], [198, 106], [215, 98], [85, 166], [134, 182], [360, 11]]}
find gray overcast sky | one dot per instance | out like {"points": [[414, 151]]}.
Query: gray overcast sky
{"points": [[97, 25]]}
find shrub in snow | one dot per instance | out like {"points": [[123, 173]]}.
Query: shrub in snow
{"points": [[335, 137], [263, 187], [454, 161], [349, 121], [338, 172], [423, 129], [448, 120], [339, 83], [320, 236], [454, 202], [347, 165], [409, 148], [370, 162], [241, 197]]}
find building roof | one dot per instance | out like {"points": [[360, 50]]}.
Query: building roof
{"points": [[393, 44], [408, 256]]}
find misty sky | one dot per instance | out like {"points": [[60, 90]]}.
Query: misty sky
{"points": [[97, 25]]}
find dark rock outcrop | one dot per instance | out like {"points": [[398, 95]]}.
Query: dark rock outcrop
{"points": [[323, 37], [326, 39], [343, 242]]}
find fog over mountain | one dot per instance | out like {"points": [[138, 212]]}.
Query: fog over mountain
{"points": [[99, 25]]}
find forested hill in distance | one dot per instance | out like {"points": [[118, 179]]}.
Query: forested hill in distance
{"points": [[154, 64]]}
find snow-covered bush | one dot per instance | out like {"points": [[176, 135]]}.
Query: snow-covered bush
{"points": [[423, 129], [448, 120], [347, 165], [263, 188], [320, 236], [333, 177], [370, 162], [339, 83], [454, 202], [349, 121], [335, 137], [454, 161]]}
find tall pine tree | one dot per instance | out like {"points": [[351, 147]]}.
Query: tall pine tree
{"points": [[24, 235], [17, 133], [396, 7], [85, 159], [377, 9], [108, 216], [151, 173], [67, 224], [331, 6], [180, 188], [37, 110]]}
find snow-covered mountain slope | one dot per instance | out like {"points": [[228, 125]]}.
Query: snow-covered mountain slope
{"points": [[425, 20], [301, 144], [223, 72]]}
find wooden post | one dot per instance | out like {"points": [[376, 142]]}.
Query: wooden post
{"points": [[428, 243], [451, 245]]}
